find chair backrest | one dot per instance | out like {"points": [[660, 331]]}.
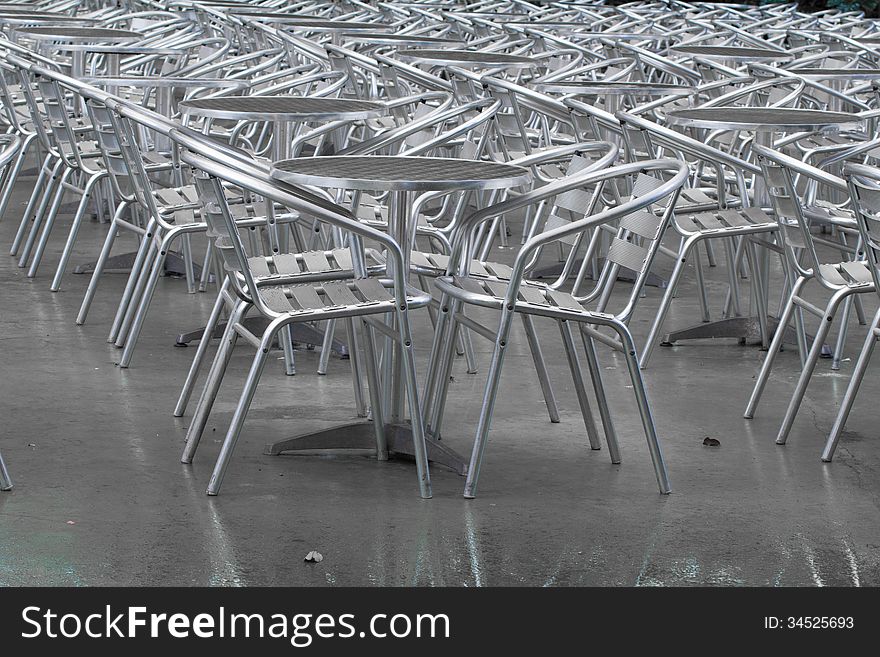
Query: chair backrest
{"points": [[864, 186], [211, 167], [781, 175], [636, 222]]}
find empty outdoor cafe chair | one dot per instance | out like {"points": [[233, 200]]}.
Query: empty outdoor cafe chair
{"points": [[650, 184]]}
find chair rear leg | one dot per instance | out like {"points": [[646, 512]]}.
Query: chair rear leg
{"points": [[37, 201], [5, 481], [809, 366], [601, 398], [489, 395], [73, 233], [541, 368], [852, 389], [196, 364], [241, 410], [644, 409], [99, 265], [577, 376], [773, 351], [212, 384], [375, 391]]}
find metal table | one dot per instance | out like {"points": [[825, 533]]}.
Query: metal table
{"points": [[764, 122], [79, 35], [473, 58], [401, 176], [282, 111]]}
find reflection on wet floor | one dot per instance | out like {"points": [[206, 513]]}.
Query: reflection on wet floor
{"points": [[101, 498]]}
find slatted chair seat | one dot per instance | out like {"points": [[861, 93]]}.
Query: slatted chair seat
{"points": [[851, 273], [361, 295], [828, 213], [728, 220]]}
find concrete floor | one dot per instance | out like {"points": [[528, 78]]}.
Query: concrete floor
{"points": [[101, 498]]}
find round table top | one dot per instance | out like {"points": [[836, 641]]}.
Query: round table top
{"points": [[284, 108], [334, 26], [401, 40], [732, 52], [635, 88], [759, 118], [850, 73], [400, 173], [465, 57], [80, 34], [153, 81]]}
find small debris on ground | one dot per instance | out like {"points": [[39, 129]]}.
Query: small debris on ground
{"points": [[314, 557], [71, 522], [711, 442]]}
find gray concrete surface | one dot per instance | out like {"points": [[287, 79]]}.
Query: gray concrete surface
{"points": [[101, 499]]}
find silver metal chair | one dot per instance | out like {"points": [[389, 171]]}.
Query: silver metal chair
{"points": [[284, 300], [864, 187], [841, 279], [634, 246]]}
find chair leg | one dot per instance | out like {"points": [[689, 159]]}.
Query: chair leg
{"points": [[601, 399], [212, 383], [140, 315], [417, 424], [773, 351], [5, 481], [241, 410], [324, 360], [852, 389], [541, 368], [840, 344], [441, 325], [809, 366], [354, 358], [142, 260], [13, 173], [99, 266], [491, 392], [644, 408], [44, 220], [39, 198], [662, 311], [578, 378], [375, 391], [196, 364], [73, 233], [444, 374]]}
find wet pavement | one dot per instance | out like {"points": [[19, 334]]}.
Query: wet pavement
{"points": [[100, 497]]}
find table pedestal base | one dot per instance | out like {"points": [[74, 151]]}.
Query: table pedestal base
{"points": [[360, 435], [746, 329], [624, 274], [174, 265]]}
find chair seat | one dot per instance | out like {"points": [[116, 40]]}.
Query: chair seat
{"points": [[309, 262], [733, 221], [361, 296], [851, 273], [825, 212], [532, 297]]}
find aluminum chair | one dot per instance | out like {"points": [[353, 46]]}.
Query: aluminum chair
{"points": [[864, 187], [320, 298], [702, 215], [634, 246], [841, 279]]}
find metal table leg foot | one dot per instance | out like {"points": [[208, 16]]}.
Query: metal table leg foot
{"points": [[361, 436], [746, 329]]}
